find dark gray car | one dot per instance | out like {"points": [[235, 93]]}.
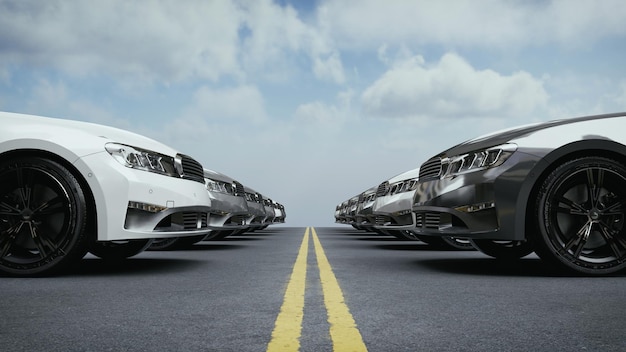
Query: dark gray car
{"points": [[556, 188]]}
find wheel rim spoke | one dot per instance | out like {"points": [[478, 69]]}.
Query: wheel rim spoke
{"points": [[7, 209], [577, 243], [51, 206], [574, 208], [616, 208], [5, 244], [39, 242], [612, 240], [594, 185], [24, 184]]}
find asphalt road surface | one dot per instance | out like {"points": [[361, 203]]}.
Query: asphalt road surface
{"points": [[266, 291]]}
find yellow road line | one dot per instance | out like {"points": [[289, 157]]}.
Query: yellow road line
{"points": [[343, 330], [288, 326]]}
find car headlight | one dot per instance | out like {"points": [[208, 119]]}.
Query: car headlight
{"points": [[478, 160], [218, 186], [403, 186], [142, 159]]}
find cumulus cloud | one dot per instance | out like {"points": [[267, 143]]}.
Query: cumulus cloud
{"points": [[241, 104], [276, 36], [167, 39], [483, 23], [451, 88], [164, 41]]}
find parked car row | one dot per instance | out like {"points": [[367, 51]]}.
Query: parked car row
{"points": [[386, 209], [69, 187], [556, 188]]}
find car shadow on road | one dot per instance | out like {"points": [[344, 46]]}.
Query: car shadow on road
{"points": [[130, 266], [416, 246], [211, 246], [525, 267]]}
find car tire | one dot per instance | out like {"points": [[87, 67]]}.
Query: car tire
{"points": [[217, 235], [446, 242], [402, 235], [168, 244], [43, 217], [459, 243], [162, 244], [118, 250], [504, 250], [580, 212]]}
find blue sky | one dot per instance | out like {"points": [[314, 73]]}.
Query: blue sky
{"points": [[312, 102]]}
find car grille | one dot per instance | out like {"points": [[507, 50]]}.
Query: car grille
{"points": [[430, 169], [239, 189], [427, 220], [383, 188], [190, 169]]}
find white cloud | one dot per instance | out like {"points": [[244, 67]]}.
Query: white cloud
{"points": [[451, 88], [167, 40], [276, 34], [242, 104], [482, 23]]}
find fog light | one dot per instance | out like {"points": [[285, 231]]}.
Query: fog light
{"points": [[152, 208], [403, 212], [476, 207]]}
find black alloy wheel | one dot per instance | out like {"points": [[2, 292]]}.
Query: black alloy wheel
{"points": [[580, 209], [43, 217]]}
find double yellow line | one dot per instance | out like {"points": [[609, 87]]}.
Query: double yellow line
{"points": [[288, 328]]}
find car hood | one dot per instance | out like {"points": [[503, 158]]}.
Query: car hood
{"points": [[70, 131], [217, 176], [508, 135], [407, 175]]}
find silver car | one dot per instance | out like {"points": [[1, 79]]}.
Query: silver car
{"points": [[256, 209], [229, 208], [392, 208], [227, 214], [364, 218], [557, 188]]}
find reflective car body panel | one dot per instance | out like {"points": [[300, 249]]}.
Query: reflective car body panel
{"points": [[350, 214], [120, 193], [340, 216], [270, 213], [229, 208], [493, 203], [364, 218], [394, 201], [256, 208]]}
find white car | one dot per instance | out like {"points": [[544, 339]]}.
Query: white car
{"points": [[69, 187]]}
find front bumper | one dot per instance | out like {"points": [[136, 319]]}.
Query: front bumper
{"points": [[135, 204], [393, 212], [473, 205], [227, 211]]}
